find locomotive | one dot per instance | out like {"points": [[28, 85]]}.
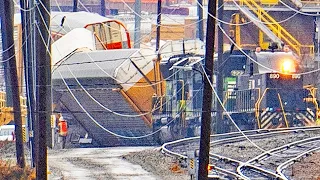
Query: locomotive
{"points": [[262, 89], [270, 93]]}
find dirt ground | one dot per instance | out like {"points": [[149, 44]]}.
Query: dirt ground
{"points": [[307, 169], [129, 163], [148, 164]]}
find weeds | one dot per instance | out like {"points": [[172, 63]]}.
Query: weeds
{"points": [[14, 172]]}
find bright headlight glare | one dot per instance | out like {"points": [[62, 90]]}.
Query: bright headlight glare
{"points": [[287, 66]]}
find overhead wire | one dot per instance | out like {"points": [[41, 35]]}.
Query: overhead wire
{"points": [[229, 117], [22, 9], [210, 15], [12, 45], [92, 118], [224, 22], [256, 62], [297, 11], [240, 50], [83, 5], [93, 61], [121, 136], [244, 23], [46, 42], [108, 109], [225, 110], [109, 131]]}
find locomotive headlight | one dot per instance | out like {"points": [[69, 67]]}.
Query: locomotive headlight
{"points": [[287, 66]]}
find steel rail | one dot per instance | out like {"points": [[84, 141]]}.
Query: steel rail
{"points": [[228, 161], [218, 139], [165, 147], [289, 162], [271, 153]]}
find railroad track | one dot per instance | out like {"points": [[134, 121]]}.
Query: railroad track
{"points": [[273, 158], [236, 165]]}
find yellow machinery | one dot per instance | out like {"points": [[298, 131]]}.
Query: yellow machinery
{"points": [[272, 24], [6, 113]]}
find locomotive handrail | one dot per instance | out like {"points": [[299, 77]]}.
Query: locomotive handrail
{"points": [[258, 105], [244, 95], [284, 114], [314, 100]]}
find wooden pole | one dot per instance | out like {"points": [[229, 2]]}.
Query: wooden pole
{"points": [[207, 94], [7, 11], [44, 106]]}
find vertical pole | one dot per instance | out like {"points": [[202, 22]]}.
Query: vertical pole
{"points": [[32, 70], [158, 27], [7, 12], [318, 38], [137, 23], [156, 67], [207, 94], [27, 56], [75, 6], [4, 28], [219, 69], [103, 8], [44, 86], [200, 19]]}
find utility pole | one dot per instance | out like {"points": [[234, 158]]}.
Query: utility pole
{"points": [[207, 94], [7, 12], [219, 69], [200, 19], [157, 63], [137, 23], [158, 28], [75, 6], [44, 106], [6, 30], [103, 8], [27, 37]]}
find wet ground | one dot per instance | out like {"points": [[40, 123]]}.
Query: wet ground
{"points": [[96, 163]]}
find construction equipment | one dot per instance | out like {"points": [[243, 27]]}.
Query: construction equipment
{"points": [[6, 113]]}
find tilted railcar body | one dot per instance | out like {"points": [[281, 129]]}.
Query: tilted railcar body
{"points": [[103, 83]]}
